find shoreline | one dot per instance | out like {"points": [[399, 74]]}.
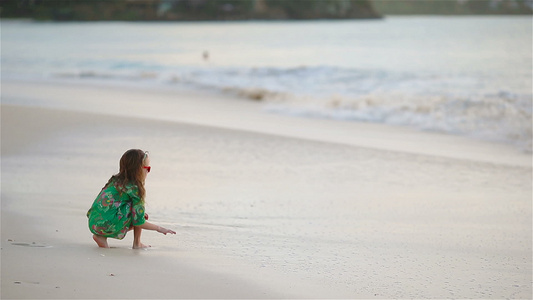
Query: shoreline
{"points": [[209, 109]]}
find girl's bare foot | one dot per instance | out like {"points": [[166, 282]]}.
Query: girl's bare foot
{"points": [[101, 241], [141, 246]]}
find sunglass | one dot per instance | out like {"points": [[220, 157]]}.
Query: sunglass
{"points": [[148, 168]]}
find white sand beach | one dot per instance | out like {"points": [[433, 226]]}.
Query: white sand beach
{"points": [[264, 205]]}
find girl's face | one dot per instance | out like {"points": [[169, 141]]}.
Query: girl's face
{"points": [[146, 167]]}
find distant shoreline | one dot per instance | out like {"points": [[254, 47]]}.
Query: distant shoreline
{"points": [[189, 10], [254, 10], [21, 19]]}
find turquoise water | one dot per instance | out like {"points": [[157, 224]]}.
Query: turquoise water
{"points": [[460, 75]]}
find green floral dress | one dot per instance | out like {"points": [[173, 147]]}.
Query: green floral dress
{"points": [[113, 213]]}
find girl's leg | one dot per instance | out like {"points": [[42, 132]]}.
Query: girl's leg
{"points": [[137, 238], [101, 241]]}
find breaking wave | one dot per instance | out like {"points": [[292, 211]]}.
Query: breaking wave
{"points": [[449, 104], [470, 106]]}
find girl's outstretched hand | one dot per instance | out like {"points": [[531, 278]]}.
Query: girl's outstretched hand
{"points": [[164, 231]]}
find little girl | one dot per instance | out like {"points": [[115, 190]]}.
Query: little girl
{"points": [[120, 205]]}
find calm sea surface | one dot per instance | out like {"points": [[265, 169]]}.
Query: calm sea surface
{"points": [[470, 76]]}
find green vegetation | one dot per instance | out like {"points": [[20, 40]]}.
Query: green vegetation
{"points": [[188, 10], [453, 7], [173, 10]]}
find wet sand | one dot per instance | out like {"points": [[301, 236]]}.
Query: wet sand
{"points": [[265, 206]]}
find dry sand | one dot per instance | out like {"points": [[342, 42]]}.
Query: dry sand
{"points": [[265, 206]]}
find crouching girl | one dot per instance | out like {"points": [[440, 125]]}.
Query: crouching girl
{"points": [[119, 207]]}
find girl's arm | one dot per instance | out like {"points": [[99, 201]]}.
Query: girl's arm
{"points": [[151, 226]]}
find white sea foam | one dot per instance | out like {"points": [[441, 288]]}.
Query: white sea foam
{"points": [[428, 102], [491, 118]]}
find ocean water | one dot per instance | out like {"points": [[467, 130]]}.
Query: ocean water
{"points": [[469, 76]]}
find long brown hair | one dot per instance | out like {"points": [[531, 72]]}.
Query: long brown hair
{"points": [[131, 164]]}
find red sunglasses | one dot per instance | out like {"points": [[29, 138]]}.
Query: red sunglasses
{"points": [[148, 168]]}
